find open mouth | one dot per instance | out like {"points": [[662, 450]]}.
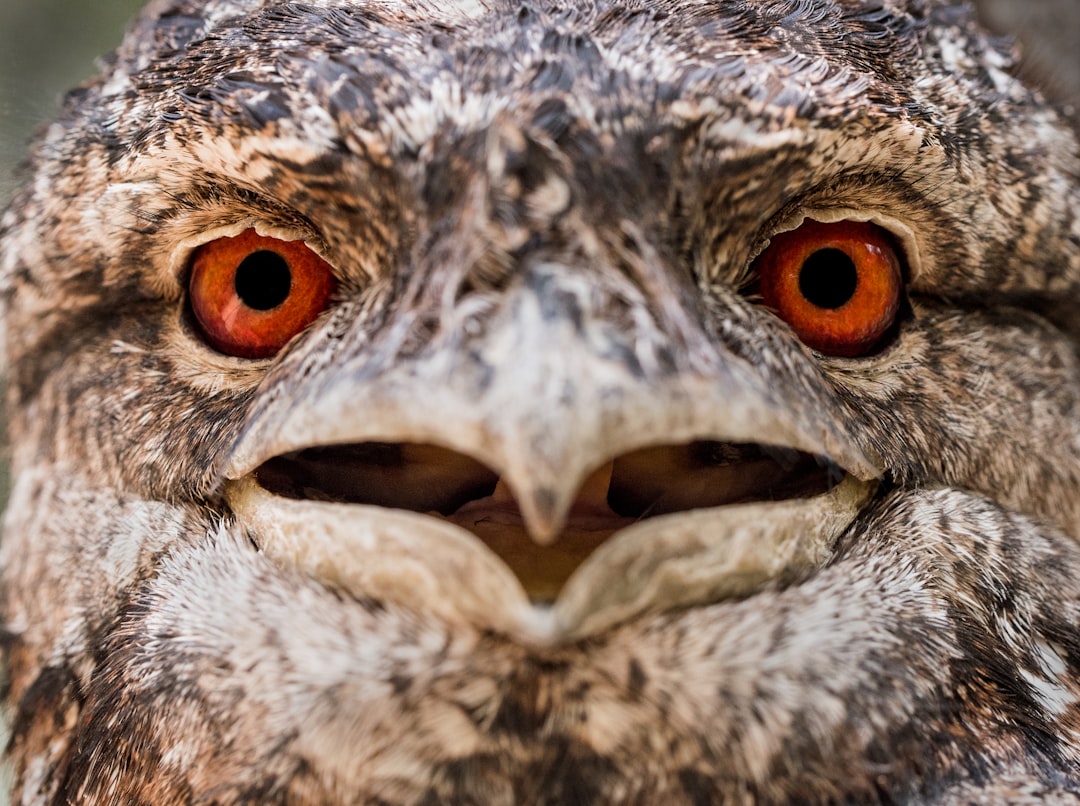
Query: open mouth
{"points": [[635, 487]]}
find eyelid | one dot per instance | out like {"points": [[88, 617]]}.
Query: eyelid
{"points": [[905, 235], [182, 251]]}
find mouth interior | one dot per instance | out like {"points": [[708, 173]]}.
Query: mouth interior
{"points": [[630, 488]]}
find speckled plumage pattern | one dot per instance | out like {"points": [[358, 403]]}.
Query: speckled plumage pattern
{"points": [[544, 218]]}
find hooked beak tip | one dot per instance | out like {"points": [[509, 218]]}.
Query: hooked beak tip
{"points": [[543, 515]]}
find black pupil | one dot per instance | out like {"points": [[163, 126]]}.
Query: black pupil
{"points": [[828, 279], [263, 280]]}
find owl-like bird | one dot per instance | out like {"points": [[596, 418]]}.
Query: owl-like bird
{"points": [[487, 402]]}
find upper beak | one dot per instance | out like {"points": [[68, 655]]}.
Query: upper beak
{"points": [[546, 391]]}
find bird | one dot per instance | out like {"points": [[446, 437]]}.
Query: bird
{"points": [[509, 401]]}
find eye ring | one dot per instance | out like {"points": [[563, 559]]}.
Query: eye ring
{"points": [[251, 294], [839, 285]]}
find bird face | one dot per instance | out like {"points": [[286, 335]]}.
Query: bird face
{"points": [[543, 402]]}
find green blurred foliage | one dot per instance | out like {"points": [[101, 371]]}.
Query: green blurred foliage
{"points": [[45, 47]]}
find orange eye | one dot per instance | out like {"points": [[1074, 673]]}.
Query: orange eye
{"points": [[837, 285], [251, 294]]}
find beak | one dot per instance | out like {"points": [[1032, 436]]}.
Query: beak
{"points": [[543, 391]]}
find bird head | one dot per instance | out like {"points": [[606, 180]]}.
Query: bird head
{"points": [[540, 320]]}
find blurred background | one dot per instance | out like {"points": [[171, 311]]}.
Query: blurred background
{"points": [[45, 47]]}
